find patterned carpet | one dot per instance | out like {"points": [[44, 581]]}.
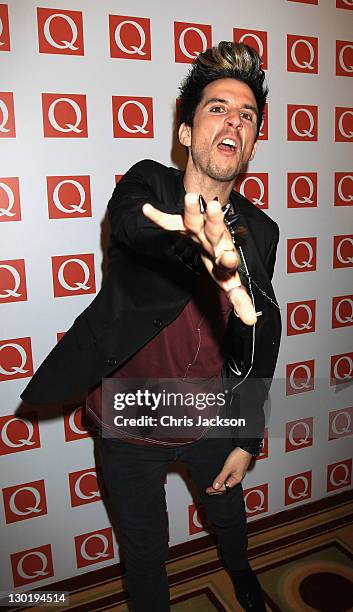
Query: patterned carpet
{"points": [[303, 559]]}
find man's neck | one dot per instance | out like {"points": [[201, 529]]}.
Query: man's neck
{"points": [[208, 188]]}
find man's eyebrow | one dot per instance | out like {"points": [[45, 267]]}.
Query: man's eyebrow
{"points": [[224, 101]]}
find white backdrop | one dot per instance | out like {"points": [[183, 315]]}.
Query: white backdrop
{"points": [[64, 67]]}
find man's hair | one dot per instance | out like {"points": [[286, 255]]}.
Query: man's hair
{"points": [[227, 60]]}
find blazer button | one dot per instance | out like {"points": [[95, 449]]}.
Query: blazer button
{"points": [[112, 361], [157, 323]]}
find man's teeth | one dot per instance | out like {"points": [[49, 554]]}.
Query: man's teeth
{"points": [[229, 141]]}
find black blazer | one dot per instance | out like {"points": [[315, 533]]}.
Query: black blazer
{"points": [[150, 279]]}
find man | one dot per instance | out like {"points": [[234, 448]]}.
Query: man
{"points": [[174, 306]]}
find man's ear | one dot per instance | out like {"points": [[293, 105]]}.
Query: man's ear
{"points": [[185, 135], [253, 151]]}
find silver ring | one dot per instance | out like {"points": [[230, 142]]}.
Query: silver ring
{"points": [[227, 487]]}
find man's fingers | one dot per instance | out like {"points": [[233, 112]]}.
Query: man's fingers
{"points": [[193, 219], [168, 222], [242, 304], [214, 223]]}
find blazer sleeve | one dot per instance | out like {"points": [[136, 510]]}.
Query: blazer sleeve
{"points": [[150, 182]]}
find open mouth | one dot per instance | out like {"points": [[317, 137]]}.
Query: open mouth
{"points": [[227, 144]]}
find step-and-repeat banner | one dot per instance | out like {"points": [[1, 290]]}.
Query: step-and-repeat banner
{"points": [[88, 89]]}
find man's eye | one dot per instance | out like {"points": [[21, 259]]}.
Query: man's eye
{"points": [[217, 109], [247, 116]]}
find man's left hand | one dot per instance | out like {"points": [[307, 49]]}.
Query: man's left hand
{"points": [[233, 472]]}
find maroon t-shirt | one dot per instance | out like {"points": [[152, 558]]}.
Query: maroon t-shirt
{"points": [[189, 348]]}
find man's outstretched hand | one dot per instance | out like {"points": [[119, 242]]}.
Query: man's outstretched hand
{"points": [[221, 259]]}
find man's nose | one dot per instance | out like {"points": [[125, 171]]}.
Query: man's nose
{"points": [[233, 118]]}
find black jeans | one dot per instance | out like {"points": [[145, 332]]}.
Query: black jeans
{"points": [[134, 477]]}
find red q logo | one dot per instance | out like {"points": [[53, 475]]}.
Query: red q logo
{"points": [[190, 39], [263, 134], [343, 124], [83, 487], [342, 311], [343, 189], [24, 501], [341, 368], [10, 207], [15, 359], [301, 255], [299, 434], [254, 187], [255, 39], [302, 189], [305, 1], [256, 500], [340, 423], [4, 28], [130, 37], [32, 565], [69, 197], [300, 377], [12, 281], [94, 547], [302, 122], [343, 251], [339, 475], [345, 4], [264, 452], [132, 117], [344, 58], [301, 317], [60, 31], [18, 434], [73, 275], [297, 488], [302, 54], [73, 426], [7, 115], [197, 519], [64, 115]]}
